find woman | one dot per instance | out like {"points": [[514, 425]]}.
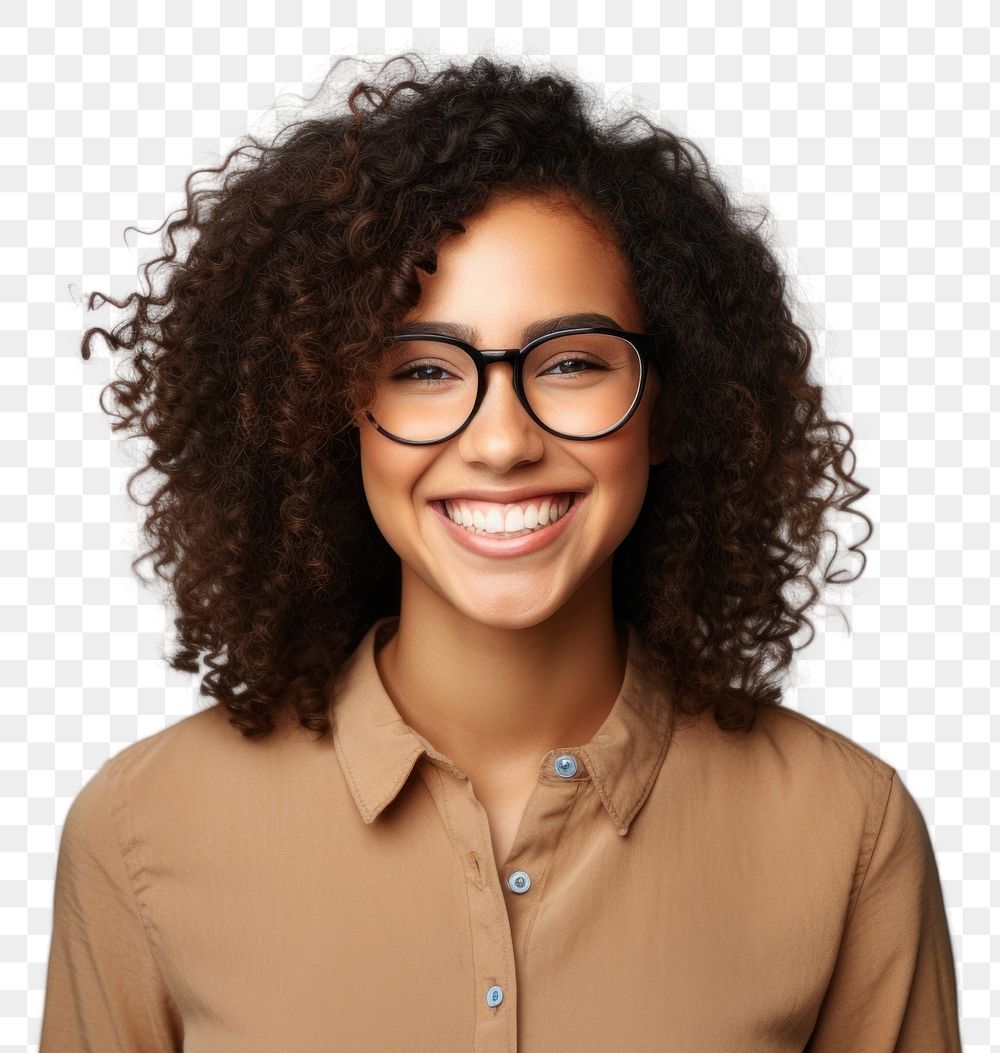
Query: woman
{"points": [[489, 450]]}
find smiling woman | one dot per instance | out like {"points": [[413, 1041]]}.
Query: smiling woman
{"points": [[457, 582], [489, 455]]}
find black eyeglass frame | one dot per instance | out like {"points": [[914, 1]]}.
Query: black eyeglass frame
{"points": [[646, 345]]}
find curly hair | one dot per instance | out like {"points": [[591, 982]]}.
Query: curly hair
{"points": [[252, 359]]}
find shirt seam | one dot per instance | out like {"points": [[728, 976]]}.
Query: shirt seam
{"points": [[874, 845], [115, 810], [878, 771]]}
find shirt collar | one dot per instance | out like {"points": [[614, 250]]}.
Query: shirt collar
{"points": [[378, 749]]}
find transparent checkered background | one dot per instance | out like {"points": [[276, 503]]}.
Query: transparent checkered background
{"points": [[864, 127]]}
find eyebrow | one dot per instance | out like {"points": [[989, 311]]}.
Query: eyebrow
{"points": [[535, 329]]}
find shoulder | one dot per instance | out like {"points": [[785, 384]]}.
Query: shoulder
{"points": [[793, 738], [790, 781], [196, 772], [843, 768], [189, 749], [806, 802], [789, 749]]}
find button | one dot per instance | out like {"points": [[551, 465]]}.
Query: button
{"points": [[519, 881], [565, 765], [494, 996]]}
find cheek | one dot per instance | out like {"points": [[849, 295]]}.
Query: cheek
{"points": [[640, 449], [632, 491], [380, 482], [389, 480], [624, 477]]}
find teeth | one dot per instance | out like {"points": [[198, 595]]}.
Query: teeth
{"points": [[517, 520]]}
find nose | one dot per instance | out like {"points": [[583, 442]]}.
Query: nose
{"points": [[501, 434]]}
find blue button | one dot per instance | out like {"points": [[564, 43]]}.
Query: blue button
{"points": [[519, 881], [565, 765], [494, 996]]}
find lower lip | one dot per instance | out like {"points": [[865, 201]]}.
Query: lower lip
{"points": [[516, 546]]}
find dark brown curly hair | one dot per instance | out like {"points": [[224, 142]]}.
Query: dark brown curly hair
{"points": [[253, 356]]}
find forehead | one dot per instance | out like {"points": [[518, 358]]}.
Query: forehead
{"points": [[523, 261], [559, 211]]}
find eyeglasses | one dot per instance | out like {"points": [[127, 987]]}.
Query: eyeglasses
{"points": [[581, 383]]}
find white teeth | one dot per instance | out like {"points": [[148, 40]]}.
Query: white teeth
{"points": [[517, 519], [514, 521]]}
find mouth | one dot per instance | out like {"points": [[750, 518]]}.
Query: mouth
{"points": [[512, 544], [482, 520]]}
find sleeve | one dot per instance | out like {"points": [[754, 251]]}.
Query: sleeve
{"points": [[893, 986], [104, 992]]}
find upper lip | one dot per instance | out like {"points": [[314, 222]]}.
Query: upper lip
{"points": [[506, 497]]}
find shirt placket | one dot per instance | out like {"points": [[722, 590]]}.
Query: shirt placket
{"points": [[501, 905]]}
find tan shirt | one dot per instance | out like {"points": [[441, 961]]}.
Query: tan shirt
{"points": [[671, 887]]}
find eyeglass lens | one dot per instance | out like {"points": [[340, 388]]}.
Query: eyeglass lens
{"points": [[579, 385]]}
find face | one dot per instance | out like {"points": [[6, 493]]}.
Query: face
{"points": [[520, 260]]}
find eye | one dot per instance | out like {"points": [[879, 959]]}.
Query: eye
{"points": [[409, 372], [415, 364], [583, 364]]}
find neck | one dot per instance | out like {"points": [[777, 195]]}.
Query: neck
{"points": [[496, 700]]}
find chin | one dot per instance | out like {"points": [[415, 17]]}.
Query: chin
{"points": [[507, 612]]}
